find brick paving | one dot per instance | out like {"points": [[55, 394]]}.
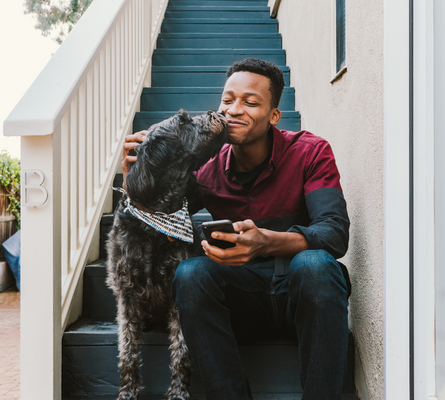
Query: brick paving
{"points": [[9, 345]]}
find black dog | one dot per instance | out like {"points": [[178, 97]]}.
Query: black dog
{"points": [[142, 260]]}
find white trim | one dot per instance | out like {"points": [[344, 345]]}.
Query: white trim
{"points": [[334, 74], [439, 129], [424, 258], [339, 74], [40, 322], [396, 199]]}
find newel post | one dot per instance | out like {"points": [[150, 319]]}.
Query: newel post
{"points": [[41, 334]]}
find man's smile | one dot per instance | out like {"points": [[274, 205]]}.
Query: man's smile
{"points": [[235, 123]]}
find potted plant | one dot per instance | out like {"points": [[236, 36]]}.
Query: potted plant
{"points": [[9, 210], [10, 187]]}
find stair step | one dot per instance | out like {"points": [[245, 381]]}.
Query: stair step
{"points": [[226, 3], [214, 57], [209, 25], [259, 396], [194, 11], [191, 76], [290, 120], [192, 99], [219, 41], [90, 359], [98, 300]]}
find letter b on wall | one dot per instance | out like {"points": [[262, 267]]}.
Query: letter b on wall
{"points": [[33, 193]]}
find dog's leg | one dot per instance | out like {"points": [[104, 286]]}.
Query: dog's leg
{"points": [[130, 321], [181, 363]]}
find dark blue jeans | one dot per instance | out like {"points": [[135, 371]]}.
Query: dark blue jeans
{"points": [[222, 306]]}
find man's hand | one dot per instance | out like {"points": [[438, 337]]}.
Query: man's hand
{"points": [[249, 244], [128, 156], [252, 242]]}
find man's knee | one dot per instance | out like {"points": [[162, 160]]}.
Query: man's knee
{"points": [[191, 276], [315, 276]]}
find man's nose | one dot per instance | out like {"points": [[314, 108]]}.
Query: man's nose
{"points": [[234, 109]]}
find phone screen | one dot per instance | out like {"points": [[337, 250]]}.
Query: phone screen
{"points": [[218, 226]]}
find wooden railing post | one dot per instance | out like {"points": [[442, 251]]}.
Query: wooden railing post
{"points": [[40, 319]]}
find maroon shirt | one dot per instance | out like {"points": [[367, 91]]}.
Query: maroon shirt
{"points": [[299, 191]]}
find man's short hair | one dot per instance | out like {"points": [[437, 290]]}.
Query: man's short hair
{"points": [[265, 68]]}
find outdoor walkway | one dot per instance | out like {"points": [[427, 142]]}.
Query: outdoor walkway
{"points": [[9, 345]]}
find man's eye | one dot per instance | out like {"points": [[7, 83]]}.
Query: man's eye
{"points": [[251, 104], [226, 101]]}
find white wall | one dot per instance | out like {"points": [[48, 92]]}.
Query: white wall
{"points": [[349, 114]]}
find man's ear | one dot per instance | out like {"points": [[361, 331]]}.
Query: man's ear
{"points": [[275, 116]]}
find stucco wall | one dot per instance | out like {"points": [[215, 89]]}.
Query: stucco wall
{"points": [[349, 114]]}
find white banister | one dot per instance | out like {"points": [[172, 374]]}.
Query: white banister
{"points": [[73, 121]]}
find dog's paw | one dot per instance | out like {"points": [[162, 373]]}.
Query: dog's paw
{"points": [[175, 394], [128, 396]]}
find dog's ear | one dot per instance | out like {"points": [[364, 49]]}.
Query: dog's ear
{"points": [[183, 116]]}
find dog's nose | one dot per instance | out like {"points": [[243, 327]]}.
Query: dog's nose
{"points": [[222, 113]]}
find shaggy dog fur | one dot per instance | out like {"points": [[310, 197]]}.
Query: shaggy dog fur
{"points": [[142, 261]]}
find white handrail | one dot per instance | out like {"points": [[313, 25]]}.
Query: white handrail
{"points": [[73, 121]]}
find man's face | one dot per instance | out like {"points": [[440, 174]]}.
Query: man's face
{"points": [[246, 101]]}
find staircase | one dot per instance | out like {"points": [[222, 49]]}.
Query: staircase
{"points": [[198, 41]]}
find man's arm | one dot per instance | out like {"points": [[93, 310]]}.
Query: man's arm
{"points": [[328, 230]]}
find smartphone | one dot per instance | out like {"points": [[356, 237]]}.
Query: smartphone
{"points": [[224, 225]]}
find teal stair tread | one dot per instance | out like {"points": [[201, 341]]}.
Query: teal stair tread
{"points": [[222, 13], [91, 332], [196, 76], [197, 90], [167, 114], [222, 35], [200, 68], [193, 98], [213, 57], [219, 51], [226, 41], [227, 3], [219, 21], [290, 120], [88, 332], [90, 359], [204, 7], [264, 396], [219, 2], [96, 270]]}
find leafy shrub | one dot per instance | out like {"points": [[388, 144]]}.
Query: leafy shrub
{"points": [[10, 182], [55, 15]]}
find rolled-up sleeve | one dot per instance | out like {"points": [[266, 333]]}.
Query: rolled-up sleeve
{"points": [[329, 222], [329, 227]]}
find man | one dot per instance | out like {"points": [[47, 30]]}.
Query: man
{"points": [[281, 279]]}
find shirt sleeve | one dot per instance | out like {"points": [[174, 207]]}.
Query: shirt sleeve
{"points": [[329, 222]]}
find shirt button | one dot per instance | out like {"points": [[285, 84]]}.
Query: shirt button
{"points": [[251, 199]]}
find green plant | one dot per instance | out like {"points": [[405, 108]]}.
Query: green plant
{"points": [[56, 14], [10, 182]]}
